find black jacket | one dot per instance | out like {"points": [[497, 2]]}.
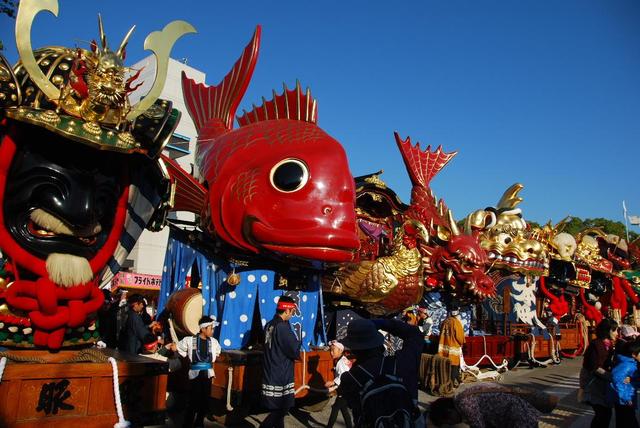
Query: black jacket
{"points": [[281, 349], [408, 357], [133, 334]]}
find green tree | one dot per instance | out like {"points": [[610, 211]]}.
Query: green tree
{"points": [[577, 225], [534, 224], [9, 8]]}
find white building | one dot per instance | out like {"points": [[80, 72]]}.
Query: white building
{"points": [[147, 257]]}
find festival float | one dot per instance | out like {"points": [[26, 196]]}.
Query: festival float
{"points": [[277, 213], [80, 177], [266, 225], [519, 257], [407, 249], [274, 202]]}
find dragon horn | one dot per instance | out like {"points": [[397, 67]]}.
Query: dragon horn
{"points": [[123, 45], [27, 11], [103, 36], [510, 198], [452, 224], [160, 43]]}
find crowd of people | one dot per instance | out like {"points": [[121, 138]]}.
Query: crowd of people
{"points": [[609, 377], [376, 383]]}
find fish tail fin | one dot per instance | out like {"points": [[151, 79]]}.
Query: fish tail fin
{"points": [[219, 102], [422, 165]]}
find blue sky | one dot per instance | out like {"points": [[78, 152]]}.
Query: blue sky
{"points": [[545, 93]]}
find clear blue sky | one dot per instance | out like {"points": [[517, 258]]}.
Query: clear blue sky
{"points": [[542, 92]]}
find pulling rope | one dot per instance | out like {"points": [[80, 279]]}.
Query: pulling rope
{"points": [[486, 355], [304, 373], [229, 384], [583, 337], [554, 351], [3, 362], [87, 356], [22, 359], [122, 423]]}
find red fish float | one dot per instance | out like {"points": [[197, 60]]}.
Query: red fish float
{"points": [[278, 183]]}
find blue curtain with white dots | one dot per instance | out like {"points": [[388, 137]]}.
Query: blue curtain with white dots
{"points": [[234, 306], [268, 296], [210, 276], [177, 263], [259, 285], [305, 320], [238, 306]]}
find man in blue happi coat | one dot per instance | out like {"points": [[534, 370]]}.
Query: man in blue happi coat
{"points": [[281, 349]]}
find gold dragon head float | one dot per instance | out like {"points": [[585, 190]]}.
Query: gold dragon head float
{"points": [[510, 242]]}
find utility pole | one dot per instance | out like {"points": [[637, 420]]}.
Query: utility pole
{"points": [[626, 225]]}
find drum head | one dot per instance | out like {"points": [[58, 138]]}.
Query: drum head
{"points": [[192, 314]]}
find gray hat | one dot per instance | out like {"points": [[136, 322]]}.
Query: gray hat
{"points": [[362, 334]]}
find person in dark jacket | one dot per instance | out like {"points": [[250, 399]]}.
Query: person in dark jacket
{"points": [[133, 333], [366, 344], [596, 371], [624, 384], [281, 349], [146, 317], [108, 321], [408, 356]]}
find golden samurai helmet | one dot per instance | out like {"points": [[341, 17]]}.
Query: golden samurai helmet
{"points": [[84, 94]]}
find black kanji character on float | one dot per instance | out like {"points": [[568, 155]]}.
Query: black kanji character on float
{"points": [[53, 396]]}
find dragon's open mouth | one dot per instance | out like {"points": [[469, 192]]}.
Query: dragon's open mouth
{"points": [[513, 261]]}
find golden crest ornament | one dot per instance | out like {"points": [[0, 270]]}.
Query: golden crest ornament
{"points": [[233, 279], [83, 94]]}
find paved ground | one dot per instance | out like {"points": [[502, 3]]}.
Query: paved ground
{"points": [[560, 380]]}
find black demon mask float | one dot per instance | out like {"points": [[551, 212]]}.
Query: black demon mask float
{"points": [[80, 178]]}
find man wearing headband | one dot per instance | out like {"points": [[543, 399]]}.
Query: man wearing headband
{"points": [[281, 349], [202, 350]]}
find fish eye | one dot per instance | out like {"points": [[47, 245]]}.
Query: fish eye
{"points": [[289, 175]]}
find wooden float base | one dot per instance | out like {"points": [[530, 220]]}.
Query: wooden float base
{"points": [[57, 394], [245, 370], [500, 347]]}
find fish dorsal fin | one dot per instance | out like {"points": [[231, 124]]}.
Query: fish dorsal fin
{"points": [[291, 104], [422, 165], [219, 102]]}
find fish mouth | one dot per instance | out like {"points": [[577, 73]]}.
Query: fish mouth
{"points": [[316, 243]]}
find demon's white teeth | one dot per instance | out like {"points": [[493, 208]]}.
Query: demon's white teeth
{"points": [[50, 225], [49, 222]]}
